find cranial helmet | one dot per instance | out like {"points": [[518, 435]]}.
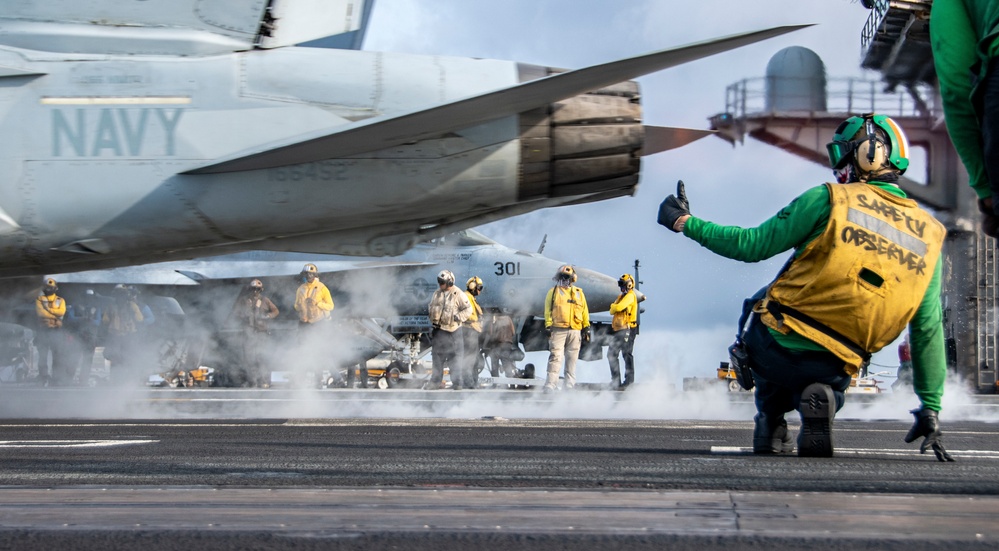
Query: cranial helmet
{"points": [[474, 283], [256, 285], [310, 269], [871, 144], [626, 282], [445, 278], [49, 286], [565, 272]]}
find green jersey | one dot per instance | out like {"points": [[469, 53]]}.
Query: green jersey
{"points": [[794, 227], [964, 36]]}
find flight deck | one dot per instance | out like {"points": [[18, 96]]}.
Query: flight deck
{"points": [[282, 483]]}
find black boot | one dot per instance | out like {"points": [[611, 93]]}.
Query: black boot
{"points": [[771, 437], [817, 408]]}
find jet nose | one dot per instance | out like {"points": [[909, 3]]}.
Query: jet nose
{"points": [[600, 289]]}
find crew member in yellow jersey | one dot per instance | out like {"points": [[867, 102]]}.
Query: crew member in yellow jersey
{"points": [[866, 264], [50, 309], [567, 320], [313, 304], [471, 332], [624, 329], [312, 300]]}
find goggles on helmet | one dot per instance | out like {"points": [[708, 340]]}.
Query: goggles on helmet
{"points": [[845, 140]]}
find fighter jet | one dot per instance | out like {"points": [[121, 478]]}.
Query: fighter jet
{"points": [[395, 292], [138, 132], [515, 281]]}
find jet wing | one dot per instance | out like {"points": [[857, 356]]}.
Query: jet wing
{"points": [[386, 131], [228, 267]]}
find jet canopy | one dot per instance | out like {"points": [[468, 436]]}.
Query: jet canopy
{"points": [[464, 238]]}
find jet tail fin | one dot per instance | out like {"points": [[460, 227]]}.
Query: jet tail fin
{"points": [[664, 138], [386, 131]]}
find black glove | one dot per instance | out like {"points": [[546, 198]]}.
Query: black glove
{"points": [[673, 207], [927, 424], [990, 222], [585, 334]]}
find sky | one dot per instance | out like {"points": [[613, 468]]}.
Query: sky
{"points": [[694, 295]]}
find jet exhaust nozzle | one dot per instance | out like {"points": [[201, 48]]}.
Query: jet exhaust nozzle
{"points": [[583, 145]]}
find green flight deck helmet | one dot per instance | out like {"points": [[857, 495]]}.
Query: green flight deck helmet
{"points": [[870, 145]]}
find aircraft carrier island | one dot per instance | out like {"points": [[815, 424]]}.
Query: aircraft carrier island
{"points": [[796, 106]]}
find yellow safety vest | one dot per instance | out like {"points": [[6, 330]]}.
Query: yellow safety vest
{"points": [[624, 311], [318, 309], [473, 318], [854, 288], [50, 310], [566, 307]]}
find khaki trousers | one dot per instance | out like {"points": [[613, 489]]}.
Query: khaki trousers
{"points": [[563, 341]]}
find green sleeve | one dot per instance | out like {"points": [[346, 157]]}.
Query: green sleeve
{"points": [[797, 224], [929, 360], [953, 40]]}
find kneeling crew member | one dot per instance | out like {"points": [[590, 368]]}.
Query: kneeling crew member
{"points": [[866, 263]]}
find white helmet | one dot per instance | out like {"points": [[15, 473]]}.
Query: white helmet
{"points": [[445, 278]]}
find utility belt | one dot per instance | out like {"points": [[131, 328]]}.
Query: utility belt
{"points": [[739, 358], [778, 311], [624, 333]]}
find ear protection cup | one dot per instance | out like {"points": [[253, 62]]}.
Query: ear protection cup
{"points": [[873, 143], [871, 158]]}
